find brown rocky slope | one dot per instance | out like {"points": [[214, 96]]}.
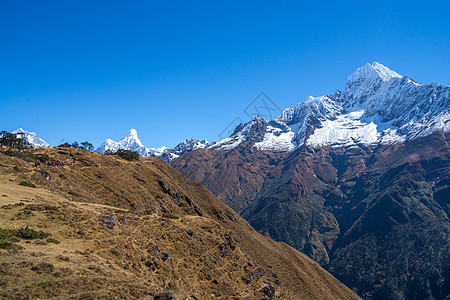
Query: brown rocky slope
{"points": [[376, 217], [109, 228]]}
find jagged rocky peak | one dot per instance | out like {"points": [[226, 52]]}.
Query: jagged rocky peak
{"points": [[254, 130], [192, 144]]}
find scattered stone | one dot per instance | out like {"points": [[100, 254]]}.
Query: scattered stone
{"points": [[255, 276], [166, 295], [164, 256], [219, 215], [24, 214], [63, 258], [190, 232], [268, 291], [165, 187], [123, 221], [224, 249], [229, 239], [153, 265], [108, 221], [43, 268], [99, 175], [215, 281], [46, 175], [155, 252]]}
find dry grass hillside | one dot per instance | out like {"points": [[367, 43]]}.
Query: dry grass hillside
{"points": [[109, 228]]}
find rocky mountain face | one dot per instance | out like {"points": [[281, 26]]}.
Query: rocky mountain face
{"points": [[131, 141], [109, 228], [359, 180]]}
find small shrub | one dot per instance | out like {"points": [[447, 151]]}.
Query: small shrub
{"points": [[28, 157], [31, 234], [73, 193], [62, 176], [8, 234], [40, 242], [16, 168], [52, 240], [4, 244], [28, 184], [10, 152], [169, 216], [43, 158], [4, 195]]}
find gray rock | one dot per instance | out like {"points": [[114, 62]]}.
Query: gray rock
{"points": [[46, 175], [268, 291], [255, 276], [108, 221], [166, 295], [164, 256]]}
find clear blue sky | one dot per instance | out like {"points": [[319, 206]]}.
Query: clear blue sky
{"points": [[91, 70]]}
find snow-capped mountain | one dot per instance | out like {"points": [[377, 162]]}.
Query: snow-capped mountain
{"points": [[377, 106], [130, 141], [33, 139]]}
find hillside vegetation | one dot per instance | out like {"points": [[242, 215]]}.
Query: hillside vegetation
{"points": [[103, 227]]}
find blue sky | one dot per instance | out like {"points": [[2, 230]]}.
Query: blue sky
{"points": [[91, 70]]}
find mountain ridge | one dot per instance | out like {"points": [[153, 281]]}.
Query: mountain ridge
{"points": [[359, 180]]}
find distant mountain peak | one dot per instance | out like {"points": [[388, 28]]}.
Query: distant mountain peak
{"points": [[132, 132], [131, 141], [378, 106], [32, 138], [372, 72]]}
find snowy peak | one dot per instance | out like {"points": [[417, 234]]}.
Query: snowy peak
{"points": [[189, 145], [132, 133], [378, 106], [273, 136], [32, 138], [131, 141], [370, 72]]}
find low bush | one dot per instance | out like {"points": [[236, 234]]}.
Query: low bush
{"points": [[28, 184], [4, 244], [31, 234], [52, 240], [169, 216]]}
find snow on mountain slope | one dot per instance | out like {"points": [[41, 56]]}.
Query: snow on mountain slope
{"points": [[260, 134], [33, 139], [377, 106], [131, 141]]}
